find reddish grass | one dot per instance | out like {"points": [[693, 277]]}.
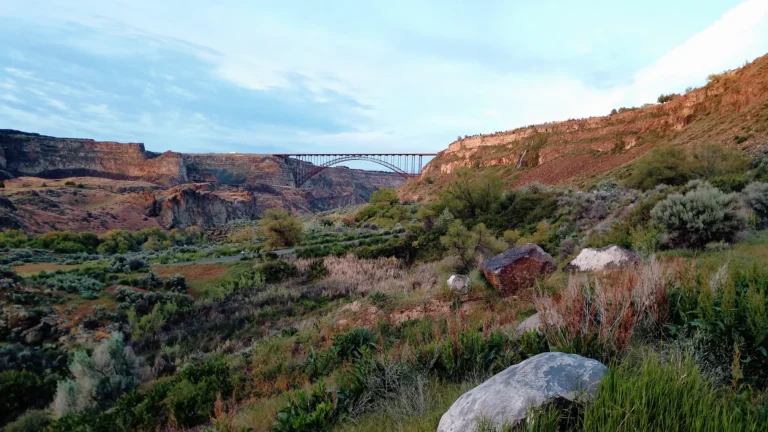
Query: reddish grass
{"points": [[608, 305], [191, 272], [35, 268]]}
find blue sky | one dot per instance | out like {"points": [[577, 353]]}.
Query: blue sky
{"points": [[304, 76]]}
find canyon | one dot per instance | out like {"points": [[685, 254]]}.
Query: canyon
{"points": [[86, 185]]}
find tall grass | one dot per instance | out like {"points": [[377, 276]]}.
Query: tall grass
{"points": [[598, 315], [666, 396]]}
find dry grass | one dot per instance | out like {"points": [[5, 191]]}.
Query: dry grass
{"points": [[31, 269], [609, 306], [388, 275]]}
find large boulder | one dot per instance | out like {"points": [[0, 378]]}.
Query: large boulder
{"points": [[518, 268], [607, 258], [506, 397], [458, 283]]}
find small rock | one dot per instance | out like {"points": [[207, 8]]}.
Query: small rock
{"points": [[518, 268], [532, 323], [607, 258], [506, 397], [458, 283]]}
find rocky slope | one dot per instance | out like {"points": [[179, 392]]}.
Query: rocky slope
{"points": [[125, 186], [731, 110]]}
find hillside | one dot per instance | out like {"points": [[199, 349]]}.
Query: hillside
{"points": [[86, 185], [731, 110]]}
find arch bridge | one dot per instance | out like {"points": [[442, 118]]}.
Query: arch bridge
{"points": [[304, 166]]}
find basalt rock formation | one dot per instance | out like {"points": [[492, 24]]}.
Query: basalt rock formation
{"points": [[82, 184], [731, 110]]}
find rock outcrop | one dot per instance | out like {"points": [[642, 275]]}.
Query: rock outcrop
{"points": [[518, 268], [170, 190], [607, 258], [506, 397], [730, 110]]}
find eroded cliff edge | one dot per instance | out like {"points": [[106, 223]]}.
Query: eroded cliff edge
{"points": [[126, 185]]}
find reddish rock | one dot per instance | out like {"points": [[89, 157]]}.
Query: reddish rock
{"points": [[518, 268]]}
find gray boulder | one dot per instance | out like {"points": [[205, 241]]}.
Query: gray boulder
{"points": [[458, 283], [607, 258], [506, 397], [532, 323]]}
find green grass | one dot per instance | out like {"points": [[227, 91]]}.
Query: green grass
{"points": [[438, 397], [665, 396]]}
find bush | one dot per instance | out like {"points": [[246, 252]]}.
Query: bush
{"points": [[278, 271], [280, 228], [756, 196], [675, 166], [352, 343], [308, 411], [664, 98], [700, 216], [98, 379], [86, 286], [317, 270], [143, 303], [192, 397], [31, 421], [22, 390]]}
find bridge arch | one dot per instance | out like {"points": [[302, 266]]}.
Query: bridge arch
{"points": [[305, 166]]}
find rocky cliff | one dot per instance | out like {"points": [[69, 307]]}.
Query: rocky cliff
{"points": [[731, 110], [187, 189]]}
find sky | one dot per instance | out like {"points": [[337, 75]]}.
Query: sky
{"points": [[350, 76]]}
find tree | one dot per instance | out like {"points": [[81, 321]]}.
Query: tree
{"points": [[470, 194], [700, 216], [388, 196], [280, 228], [466, 244], [460, 241]]}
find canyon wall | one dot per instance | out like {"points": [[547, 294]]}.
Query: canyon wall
{"points": [[187, 189], [731, 110]]}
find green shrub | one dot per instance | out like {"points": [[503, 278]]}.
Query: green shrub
{"points": [[317, 270], [352, 343], [664, 98], [22, 390], [31, 421], [280, 228], [315, 410], [721, 311], [277, 271], [674, 166], [191, 398], [665, 396], [143, 303], [700, 216], [86, 286]]}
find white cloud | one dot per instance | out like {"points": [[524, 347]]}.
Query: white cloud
{"points": [[740, 35], [57, 104], [11, 98]]}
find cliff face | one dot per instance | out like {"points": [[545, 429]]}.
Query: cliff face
{"points": [[188, 189], [26, 154], [732, 110]]}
